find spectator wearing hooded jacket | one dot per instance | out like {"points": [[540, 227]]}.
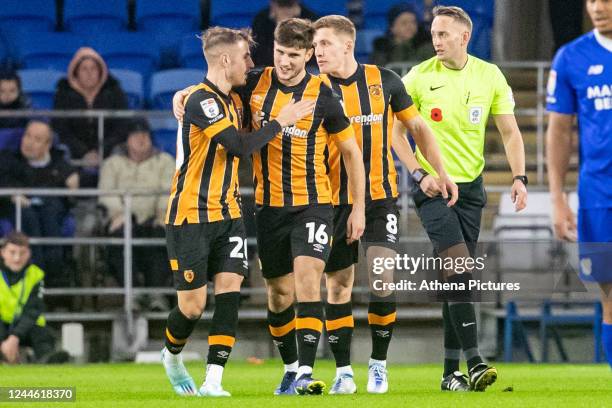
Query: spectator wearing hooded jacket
{"points": [[88, 85]]}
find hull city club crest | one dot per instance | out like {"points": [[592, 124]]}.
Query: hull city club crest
{"points": [[375, 90]]}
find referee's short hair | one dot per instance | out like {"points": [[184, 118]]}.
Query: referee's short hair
{"points": [[456, 13]]}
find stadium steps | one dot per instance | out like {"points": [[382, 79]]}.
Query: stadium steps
{"points": [[522, 79]]}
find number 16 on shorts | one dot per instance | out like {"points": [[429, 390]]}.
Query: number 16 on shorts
{"points": [[317, 236]]}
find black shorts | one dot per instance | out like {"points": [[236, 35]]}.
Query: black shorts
{"points": [[284, 233], [449, 226], [199, 251], [382, 224], [342, 255]]}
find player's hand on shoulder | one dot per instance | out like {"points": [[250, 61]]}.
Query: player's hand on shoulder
{"points": [[294, 111], [564, 221], [519, 195], [178, 103]]}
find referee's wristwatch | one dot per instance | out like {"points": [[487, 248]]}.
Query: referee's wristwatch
{"points": [[522, 179], [418, 175]]}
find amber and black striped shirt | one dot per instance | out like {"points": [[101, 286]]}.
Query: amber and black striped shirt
{"points": [[372, 97], [291, 170], [205, 185]]}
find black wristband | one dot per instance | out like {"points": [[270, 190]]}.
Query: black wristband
{"points": [[522, 179]]}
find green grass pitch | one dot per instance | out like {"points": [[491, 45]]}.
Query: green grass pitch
{"points": [[145, 385]]}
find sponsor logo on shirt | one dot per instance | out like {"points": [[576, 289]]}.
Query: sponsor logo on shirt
{"points": [[601, 96], [595, 69], [293, 131], [367, 120]]}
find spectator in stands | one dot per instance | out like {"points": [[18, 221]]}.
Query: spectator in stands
{"points": [[139, 165], [265, 22], [88, 85], [21, 305], [406, 40], [38, 164], [12, 98]]}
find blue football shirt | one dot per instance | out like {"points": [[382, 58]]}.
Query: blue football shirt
{"points": [[580, 83]]}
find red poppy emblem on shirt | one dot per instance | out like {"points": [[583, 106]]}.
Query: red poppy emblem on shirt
{"points": [[436, 114]]}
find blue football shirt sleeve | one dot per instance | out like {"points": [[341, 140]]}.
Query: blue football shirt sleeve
{"points": [[560, 94]]}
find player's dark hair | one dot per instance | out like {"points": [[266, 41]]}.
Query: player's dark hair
{"points": [[339, 24], [16, 238], [456, 13], [295, 33]]}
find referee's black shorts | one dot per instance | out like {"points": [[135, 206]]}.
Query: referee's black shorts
{"points": [[449, 226]]}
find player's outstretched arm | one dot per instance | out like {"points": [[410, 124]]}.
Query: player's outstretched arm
{"points": [[558, 152], [427, 143], [353, 160], [515, 152], [243, 144]]}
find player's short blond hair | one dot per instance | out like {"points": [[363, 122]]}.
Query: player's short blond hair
{"points": [[340, 24], [456, 13], [215, 37]]}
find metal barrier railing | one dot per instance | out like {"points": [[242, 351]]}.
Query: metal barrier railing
{"points": [[401, 67], [128, 241]]}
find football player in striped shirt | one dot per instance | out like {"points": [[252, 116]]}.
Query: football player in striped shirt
{"points": [[373, 98], [204, 230]]}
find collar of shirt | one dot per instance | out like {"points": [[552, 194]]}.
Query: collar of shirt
{"points": [[605, 42], [349, 80]]}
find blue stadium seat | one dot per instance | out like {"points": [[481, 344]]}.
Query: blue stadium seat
{"points": [[4, 52], [165, 83], [18, 16], [83, 17], [133, 51], [365, 44], [6, 226], [325, 8], [482, 13], [235, 13], [132, 85], [164, 134], [45, 50], [40, 86], [167, 22], [375, 12], [168, 16], [191, 54], [10, 138]]}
